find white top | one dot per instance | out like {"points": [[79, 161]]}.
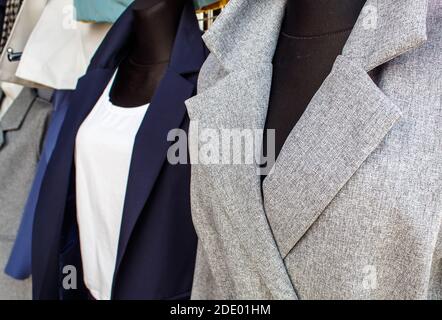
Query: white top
{"points": [[103, 153]]}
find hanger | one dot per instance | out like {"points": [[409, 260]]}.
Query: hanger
{"points": [[13, 56]]}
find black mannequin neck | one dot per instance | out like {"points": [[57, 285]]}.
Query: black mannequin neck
{"points": [[155, 26], [307, 18], [313, 34]]}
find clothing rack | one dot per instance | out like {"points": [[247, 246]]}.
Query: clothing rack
{"points": [[207, 15]]}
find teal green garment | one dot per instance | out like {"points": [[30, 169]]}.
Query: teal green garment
{"points": [[203, 3], [110, 10], [100, 10]]}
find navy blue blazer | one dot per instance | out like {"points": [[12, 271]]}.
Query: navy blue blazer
{"points": [[157, 245]]}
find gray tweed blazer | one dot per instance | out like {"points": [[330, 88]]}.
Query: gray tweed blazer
{"points": [[353, 208], [22, 131]]}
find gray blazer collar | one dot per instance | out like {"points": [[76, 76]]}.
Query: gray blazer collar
{"points": [[247, 32], [14, 117], [16, 114], [344, 123]]}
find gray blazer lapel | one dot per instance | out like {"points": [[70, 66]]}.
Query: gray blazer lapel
{"points": [[385, 30], [345, 122], [239, 102], [235, 96], [16, 114]]}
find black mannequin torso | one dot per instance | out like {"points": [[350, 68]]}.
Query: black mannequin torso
{"points": [[155, 26], [313, 34]]}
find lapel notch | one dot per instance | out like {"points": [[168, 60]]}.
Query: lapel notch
{"points": [[14, 117], [344, 123]]}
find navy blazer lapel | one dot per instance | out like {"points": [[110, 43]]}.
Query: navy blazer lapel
{"points": [[166, 112]]}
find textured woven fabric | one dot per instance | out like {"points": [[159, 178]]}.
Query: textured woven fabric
{"points": [[353, 208], [23, 128], [11, 12]]}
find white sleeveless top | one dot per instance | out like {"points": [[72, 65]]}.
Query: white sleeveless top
{"points": [[103, 154]]}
